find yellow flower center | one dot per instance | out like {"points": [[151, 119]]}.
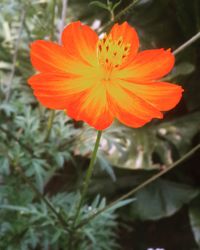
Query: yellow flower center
{"points": [[111, 54]]}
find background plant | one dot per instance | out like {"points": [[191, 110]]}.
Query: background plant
{"points": [[127, 157]]}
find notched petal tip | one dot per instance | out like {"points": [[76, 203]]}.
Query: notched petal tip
{"points": [[129, 35], [149, 65], [80, 41]]}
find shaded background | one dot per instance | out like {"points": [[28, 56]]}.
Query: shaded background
{"points": [[165, 214]]}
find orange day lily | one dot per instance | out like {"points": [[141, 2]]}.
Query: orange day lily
{"points": [[97, 80]]}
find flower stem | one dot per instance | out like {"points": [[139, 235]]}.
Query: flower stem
{"points": [[88, 176], [85, 189]]}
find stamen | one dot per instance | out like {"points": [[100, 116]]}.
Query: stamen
{"points": [[104, 39], [111, 54]]}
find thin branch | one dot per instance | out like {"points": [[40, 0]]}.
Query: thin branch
{"points": [[142, 185], [15, 56], [12, 136], [52, 112], [130, 6], [53, 20], [19, 170], [62, 25], [63, 17], [119, 15], [187, 44]]}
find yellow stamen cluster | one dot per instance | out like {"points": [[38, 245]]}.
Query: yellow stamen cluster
{"points": [[111, 53]]}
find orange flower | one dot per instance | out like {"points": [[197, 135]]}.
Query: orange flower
{"points": [[97, 80]]}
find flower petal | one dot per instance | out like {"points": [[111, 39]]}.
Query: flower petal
{"points": [[148, 65], [129, 36], [56, 90], [48, 56], [80, 41], [92, 107], [162, 95], [129, 108]]}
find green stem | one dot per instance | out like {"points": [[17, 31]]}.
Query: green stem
{"points": [[88, 176], [85, 188], [142, 185], [112, 16], [50, 124]]}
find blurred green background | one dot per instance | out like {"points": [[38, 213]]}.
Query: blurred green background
{"points": [[166, 213]]}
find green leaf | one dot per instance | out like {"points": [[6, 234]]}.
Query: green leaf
{"points": [[194, 215], [121, 204], [180, 132], [183, 68], [22, 210], [105, 166], [162, 199], [131, 149]]}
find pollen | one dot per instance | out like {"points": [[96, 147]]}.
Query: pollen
{"points": [[112, 53]]}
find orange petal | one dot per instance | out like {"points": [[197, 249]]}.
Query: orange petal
{"points": [[92, 107], [128, 108], [162, 95], [148, 65], [55, 90], [48, 56], [80, 42], [129, 36]]}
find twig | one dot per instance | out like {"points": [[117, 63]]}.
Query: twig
{"points": [[62, 25], [53, 20], [16, 49], [187, 44], [119, 15], [11, 135], [46, 201], [131, 5], [63, 17], [142, 185]]}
